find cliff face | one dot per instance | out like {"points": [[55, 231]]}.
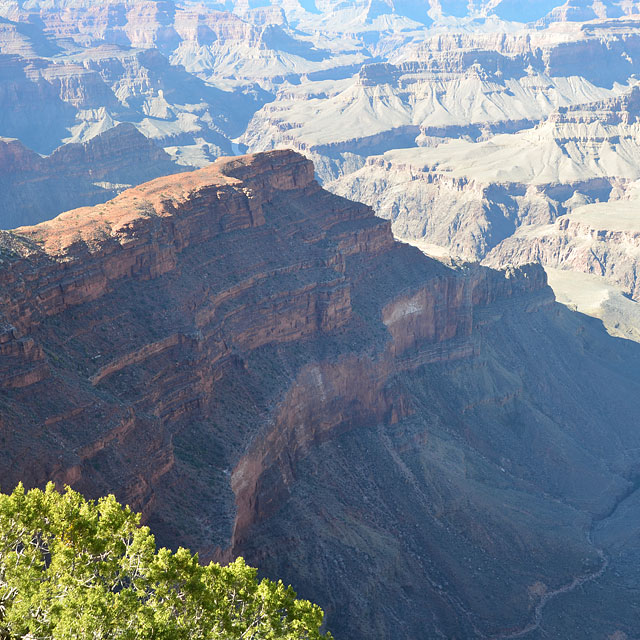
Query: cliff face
{"points": [[221, 302], [600, 238], [256, 365]]}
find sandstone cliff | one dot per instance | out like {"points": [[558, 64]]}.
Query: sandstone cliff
{"points": [[257, 366]]}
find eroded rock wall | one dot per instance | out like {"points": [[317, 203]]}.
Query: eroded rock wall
{"points": [[259, 368]]}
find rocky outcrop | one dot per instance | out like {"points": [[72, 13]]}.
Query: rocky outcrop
{"points": [[433, 325], [256, 365], [208, 41], [463, 215], [82, 67], [601, 239], [37, 188]]}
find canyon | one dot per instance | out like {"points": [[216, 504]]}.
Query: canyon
{"points": [[261, 369], [395, 365], [411, 107], [528, 178]]}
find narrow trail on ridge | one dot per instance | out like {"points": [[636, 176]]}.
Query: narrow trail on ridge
{"points": [[538, 612], [577, 581]]}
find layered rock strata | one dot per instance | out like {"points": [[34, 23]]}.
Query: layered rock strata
{"points": [[262, 370], [446, 86], [469, 197], [75, 96], [601, 239]]}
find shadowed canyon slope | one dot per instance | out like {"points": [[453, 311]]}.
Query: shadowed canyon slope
{"points": [[261, 369]]}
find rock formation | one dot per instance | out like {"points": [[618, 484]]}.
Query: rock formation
{"points": [[433, 89], [71, 69], [593, 255], [426, 450], [261, 369], [602, 239], [338, 83], [468, 197], [46, 102]]}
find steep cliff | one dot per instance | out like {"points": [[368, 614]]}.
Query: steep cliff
{"points": [[592, 256], [256, 365], [601, 239]]}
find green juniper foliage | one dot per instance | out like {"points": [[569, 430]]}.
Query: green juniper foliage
{"points": [[77, 569]]}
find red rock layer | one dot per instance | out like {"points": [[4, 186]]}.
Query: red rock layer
{"points": [[190, 342], [37, 188], [77, 266]]}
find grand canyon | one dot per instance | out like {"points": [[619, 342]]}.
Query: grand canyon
{"points": [[348, 289]]}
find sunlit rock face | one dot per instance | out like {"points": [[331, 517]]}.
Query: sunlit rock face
{"points": [[37, 188], [601, 239], [450, 197], [339, 82]]}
